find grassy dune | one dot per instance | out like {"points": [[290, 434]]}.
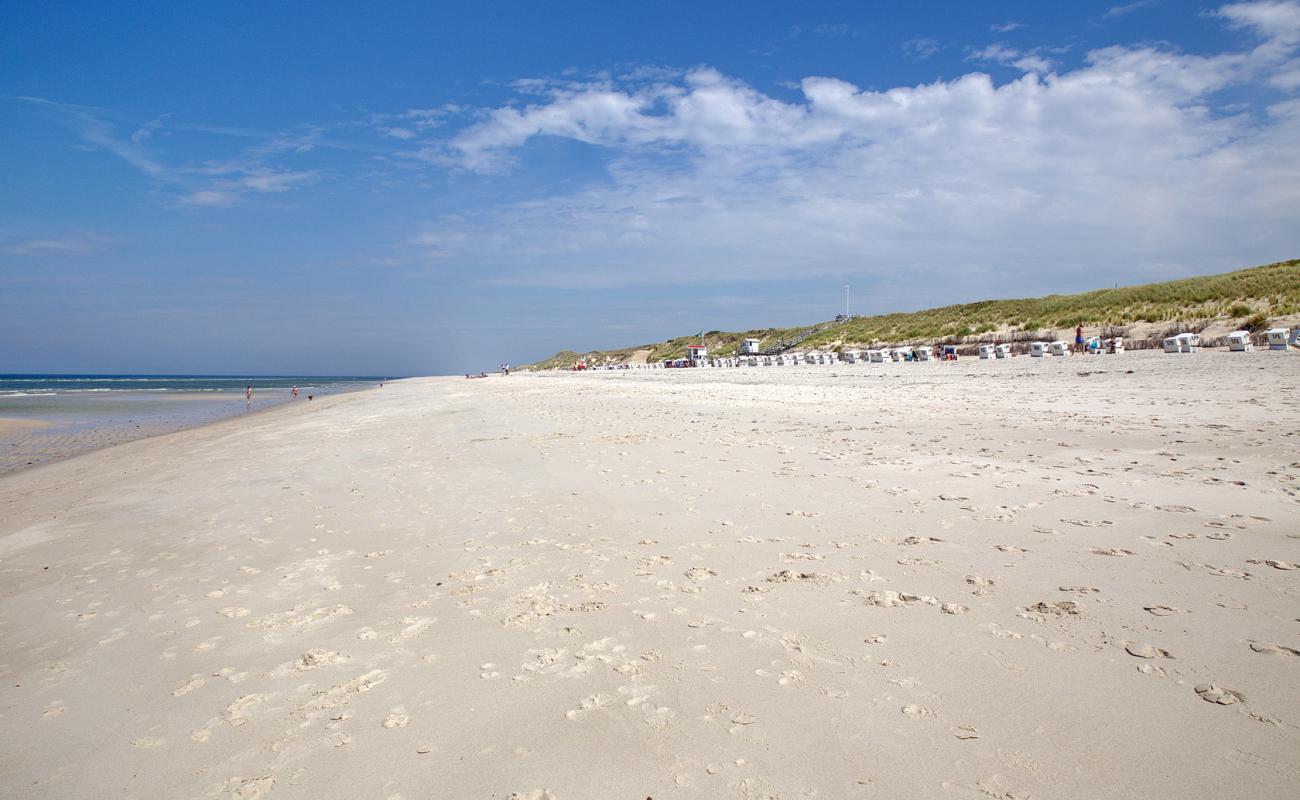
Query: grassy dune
{"points": [[1248, 297]]}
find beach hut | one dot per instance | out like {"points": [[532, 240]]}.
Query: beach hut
{"points": [[750, 346], [923, 353], [1277, 338], [986, 351], [1038, 349], [1002, 351], [1060, 348], [1239, 342], [697, 353]]}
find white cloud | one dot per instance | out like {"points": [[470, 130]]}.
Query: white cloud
{"points": [[1128, 8], [272, 181], [1031, 61], [72, 245], [1006, 27], [210, 198], [1120, 169], [921, 48]]}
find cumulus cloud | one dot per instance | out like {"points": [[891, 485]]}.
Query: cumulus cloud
{"points": [[1031, 61], [1115, 170]]}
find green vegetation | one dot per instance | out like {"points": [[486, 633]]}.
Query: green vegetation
{"points": [[1259, 293]]}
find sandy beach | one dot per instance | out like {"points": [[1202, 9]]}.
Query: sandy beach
{"points": [[1060, 578]]}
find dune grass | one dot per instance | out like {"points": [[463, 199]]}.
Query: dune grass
{"points": [[1253, 296]]}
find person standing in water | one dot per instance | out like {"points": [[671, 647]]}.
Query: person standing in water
{"points": [[294, 393], [248, 395]]}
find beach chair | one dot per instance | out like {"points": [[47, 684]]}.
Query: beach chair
{"points": [[1059, 348], [1278, 338], [1239, 342], [1038, 349], [986, 351], [1002, 351], [923, 353]]}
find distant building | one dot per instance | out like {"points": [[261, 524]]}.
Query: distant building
{"points": [[697, 352], [750, 346]]}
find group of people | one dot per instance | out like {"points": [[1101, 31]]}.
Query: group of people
{"points": [[293, 393]]}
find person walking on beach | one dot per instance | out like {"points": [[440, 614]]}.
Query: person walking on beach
{"points": [[294, 393], [1078, 338]]}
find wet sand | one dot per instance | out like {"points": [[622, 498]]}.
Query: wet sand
{"points": [[40, 429], [1071, 579]]}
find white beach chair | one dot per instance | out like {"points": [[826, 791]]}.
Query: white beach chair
{"points": [[1060, 348], [1002, 351], [1171, 344], [923, 353], [1278, 338], [1239, 342], [1038, 349], [986, 351]]}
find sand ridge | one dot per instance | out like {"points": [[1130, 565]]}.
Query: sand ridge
{"points": [[906, 581]]}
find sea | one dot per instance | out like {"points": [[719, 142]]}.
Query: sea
{"points": [[45, 418]]}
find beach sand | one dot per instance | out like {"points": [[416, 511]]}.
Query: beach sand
{"points": [[1069, 578]]}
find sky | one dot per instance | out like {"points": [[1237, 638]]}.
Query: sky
{"points": [[437, 188]]}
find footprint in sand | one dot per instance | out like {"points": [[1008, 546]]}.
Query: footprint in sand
{"points": [[1217, 694], [1143, 650], [397, 718], [1283, 565], [916, 712], [188, 686], [1065, 608], [1089, 523], [982, 585], [1273, 649], [1165, 611], [591, 703], [1111, 551]]}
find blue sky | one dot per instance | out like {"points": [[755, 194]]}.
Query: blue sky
{"points": [[430, 188]]}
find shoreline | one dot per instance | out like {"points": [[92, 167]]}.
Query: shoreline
{"points": [[37, 435]]}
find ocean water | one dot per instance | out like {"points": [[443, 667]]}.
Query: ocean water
{"points": [[26, 385], [45, 418]]}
